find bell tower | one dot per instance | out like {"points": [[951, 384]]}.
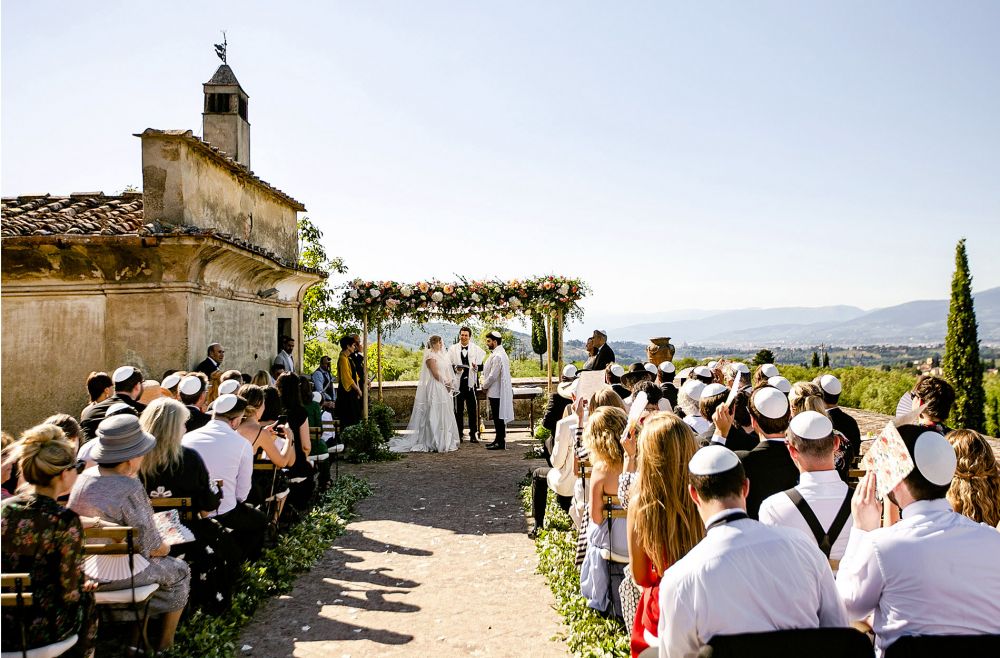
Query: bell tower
{"points": [[224, 121]]}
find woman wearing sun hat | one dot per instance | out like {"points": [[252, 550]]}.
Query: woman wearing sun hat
{"points": [[112, 492]]}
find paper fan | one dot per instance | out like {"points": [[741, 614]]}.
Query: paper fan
{"points": [[171, 529], [109, 568]]}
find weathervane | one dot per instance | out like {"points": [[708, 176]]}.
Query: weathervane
{"points": [[220, 48]]}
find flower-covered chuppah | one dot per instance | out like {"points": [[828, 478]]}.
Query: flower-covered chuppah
{"points": [[383, 305]]}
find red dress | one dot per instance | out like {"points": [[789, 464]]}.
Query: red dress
{"points": [[647, 614]]}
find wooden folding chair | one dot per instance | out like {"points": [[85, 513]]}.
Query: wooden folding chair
{"points": [[17, 593], [183, 505], [274, 502], [336, 451]]}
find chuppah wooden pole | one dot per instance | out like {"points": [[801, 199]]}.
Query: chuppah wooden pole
{"points": [[378, 362], [364, 378], [562, 356], [548, 352]]}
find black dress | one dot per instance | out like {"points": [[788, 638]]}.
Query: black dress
{"points": [[300, 491]]}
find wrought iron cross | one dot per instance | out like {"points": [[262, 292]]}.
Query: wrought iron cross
{"points": [[220, 48]]}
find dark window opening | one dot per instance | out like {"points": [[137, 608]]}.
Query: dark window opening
{"points": [[217, 102], [243, 108]]}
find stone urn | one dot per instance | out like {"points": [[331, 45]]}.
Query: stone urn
{"points": [[660, 350]]}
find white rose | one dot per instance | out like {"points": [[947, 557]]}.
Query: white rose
{"points": [[514, 301], [407, 291], [354, 294], [437, 296], [375, 292], [564, 289], [475, 297]]}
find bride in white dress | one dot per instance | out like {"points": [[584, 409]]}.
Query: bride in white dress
{"points": [[432, 426]]}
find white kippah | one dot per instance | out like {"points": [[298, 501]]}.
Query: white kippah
{"points": [[780, 383], [741, 367], [317, 396], [224, 403], [702, 371], [694, 389], [190, 385], [830, 384], [811, 425], [617, 370], [495, 335], [770, 402], [667, 367], [122, 373], [228, 386], [601, 332], [769, 370], [170, 381], [712, 460], [713, 389], [935, 458], [569, 371], [650, 368], [117, 408], [685, 373], [712, 365]]}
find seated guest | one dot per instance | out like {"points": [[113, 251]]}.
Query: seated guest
{"points": [[172, 471], [8, 459], [99, 388], [820, 504], [613, 374], [32, 520], [666, 381], [932, 573], [602, 440], [663, 523], [654, 396], [689, 400], [128, 389], [261, 378], [170, 383], [150, 391], [831, 389], [265, 443], [934, 398], [193, 390], [214, 381], [232, 375], [743, 577], [298, 428], [975, 489], [230, 386], [559, 475], [768, 466], [111, 492], [558, 403], [69, 426], [229, 458]]}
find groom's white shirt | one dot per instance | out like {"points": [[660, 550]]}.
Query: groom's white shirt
{"points": [[497, 382], [476, 357]]}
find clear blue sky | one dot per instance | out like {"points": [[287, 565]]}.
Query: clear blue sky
{"points": [[835, 150]]}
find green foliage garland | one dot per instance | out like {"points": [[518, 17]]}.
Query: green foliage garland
{"points": [[538, 342], [961, 364]]}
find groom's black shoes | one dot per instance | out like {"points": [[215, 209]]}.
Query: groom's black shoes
{"points": [[473, 439], [496, 446]]}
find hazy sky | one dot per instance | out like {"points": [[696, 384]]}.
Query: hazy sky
{"points": [[835, 151]]}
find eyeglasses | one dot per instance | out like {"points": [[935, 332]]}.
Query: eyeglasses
{"points": [[79, 465]]}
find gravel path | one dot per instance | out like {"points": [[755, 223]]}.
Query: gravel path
{"points": [[437, 565]]}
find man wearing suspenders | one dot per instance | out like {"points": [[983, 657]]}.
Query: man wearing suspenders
{"points": [[820, 505]]}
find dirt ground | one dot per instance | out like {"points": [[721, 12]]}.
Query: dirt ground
{"points": [[438, 564]]}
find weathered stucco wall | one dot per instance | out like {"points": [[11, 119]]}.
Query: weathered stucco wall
{"points": [[185, 184]]}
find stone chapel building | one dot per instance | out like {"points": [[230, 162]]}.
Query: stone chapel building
{"points": [[207, 252]]}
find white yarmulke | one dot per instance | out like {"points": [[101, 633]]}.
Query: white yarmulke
{"points": [[190, 385], [811, 425], [830, 384], [601, 332], [224, 403], [495, 335], [741, 367], [693, 389], [770, 402], [228, 386], [712, 460], [935, 458], [317, 396], [713, 389], [769, 370], [702, 371], [650, 368], [569, 372], [122, 373], [685, 373], [117, 408], [780, 383], [712, 365], [617, 370], [667, 367], [170, 381]]}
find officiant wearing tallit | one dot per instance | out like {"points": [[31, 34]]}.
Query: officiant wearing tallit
{"points": [[467, 358], [499, 389]]}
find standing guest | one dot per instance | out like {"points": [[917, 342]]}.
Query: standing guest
{"points": [[635, 375], [820, 504], [689, 401], [358, 363], [323, 382], [193, 389], [714, 396], [45, 540], [805, 396], [112, 493], [613, 374], [928, 574], [768, 466], [284, 357], [229, 458], [499, 389], [934, 398], [666, 380], [99, 387], [730, 370], [975, 489], [831, 389], [212, 361], [733, 422], [764, 372], [349, 396], [467, 357], [588, 364], [703, 374], [604, 355], [663, 523], [736, 579], [261, 378], [780, 383], [170, 384], [298, 428], [172, 471], [128, 389]]}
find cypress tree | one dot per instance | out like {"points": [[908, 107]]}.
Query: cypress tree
{"points": [[815, 360], [961, 364], [826, 359], [538, 342]]}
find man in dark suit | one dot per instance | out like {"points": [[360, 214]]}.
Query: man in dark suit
{"points": [[213, 361], [128, 389], [605, 355], [769, 466], [842, 422]]}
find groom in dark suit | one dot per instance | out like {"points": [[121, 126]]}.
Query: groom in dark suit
{"points": [[769, 464]]}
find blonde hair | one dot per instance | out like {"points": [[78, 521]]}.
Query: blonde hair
{"points": [[666, 520], [975, 488], [164, 418], [605, 396], [261, 378], [43, 453], [213, 387], [602, 437], [806, 396]]}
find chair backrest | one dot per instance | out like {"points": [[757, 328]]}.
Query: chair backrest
{"points": [[16, 589], [613, 508], [115, 540], [926, 646], [183, 506], [793, 643]]}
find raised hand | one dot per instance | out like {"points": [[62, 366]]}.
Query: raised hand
{"points": [[865, 507]]}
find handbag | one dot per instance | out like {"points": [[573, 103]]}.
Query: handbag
{"points": [[630, 594]]}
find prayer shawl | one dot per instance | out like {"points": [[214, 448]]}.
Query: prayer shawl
{"points": [[497, 382]]}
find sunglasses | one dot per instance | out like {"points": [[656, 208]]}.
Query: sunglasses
{"points": [[79, 465]]}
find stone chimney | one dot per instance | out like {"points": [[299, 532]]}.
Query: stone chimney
{"points": [[224, 122]]}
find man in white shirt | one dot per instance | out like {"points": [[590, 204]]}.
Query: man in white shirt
{"points": [[466, 356], [934, 572], [284, 357], [499, 389], [820, 504], [229, 457], [743, 577]]}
